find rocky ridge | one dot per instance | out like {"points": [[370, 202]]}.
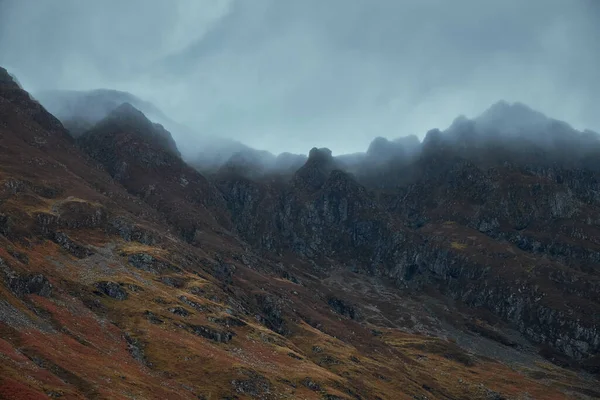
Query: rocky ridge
{"points": [[321, 283]]}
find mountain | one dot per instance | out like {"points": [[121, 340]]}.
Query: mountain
{"points": [[80, 110], [143, 157], [124, 272], [493, 219]]}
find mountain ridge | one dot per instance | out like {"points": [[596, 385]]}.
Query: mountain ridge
{"points": [[416, 279]]}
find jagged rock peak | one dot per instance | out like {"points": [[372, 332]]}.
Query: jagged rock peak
{"points": [[313, 174], [432, 136], [320, 155]]}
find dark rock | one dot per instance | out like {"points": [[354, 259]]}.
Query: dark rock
{"points": [[592, 365], [136, 349], [492, 395], [133, 287], [71, 246], [173, 281], [252, 384], [341, 307], [30, 284], [182, 312], [313, 174], [149, 263], [273, 313], [191, 303], [211, 333], [130, 231], [21, 257], [77, 213], [328, 361], [311, 384], [4, 224], [153, 318], [112, 289], [223, 271], [227, 321], [47, 223], [328, 396]]}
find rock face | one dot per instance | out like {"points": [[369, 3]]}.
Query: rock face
{"points": [[436, 222], [313, 174], [30, 284]]}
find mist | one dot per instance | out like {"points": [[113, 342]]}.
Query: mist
{"points": [[286, 76]]}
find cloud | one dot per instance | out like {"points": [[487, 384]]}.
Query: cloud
{"points": [[288, 75]]}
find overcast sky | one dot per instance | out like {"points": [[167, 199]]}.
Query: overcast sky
{"points": [[287, 75]]}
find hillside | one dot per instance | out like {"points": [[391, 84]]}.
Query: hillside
{"points": [[442, 273]]}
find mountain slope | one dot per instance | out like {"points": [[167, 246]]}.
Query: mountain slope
{"points": [[144, 159], [495, 234], [104, 295]]}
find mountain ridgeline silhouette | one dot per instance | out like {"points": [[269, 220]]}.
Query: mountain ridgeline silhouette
{"points": [[472, 252], [504, 132]]}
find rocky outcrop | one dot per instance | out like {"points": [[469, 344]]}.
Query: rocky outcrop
{"points": [[112, 289], [392, 229], [136, 349], [22, 284], [30, 284], [313, 174], [149, 263], [342, 307], [213, 334], [76, 214], [130, 231], [252, 384], [71, 246]]}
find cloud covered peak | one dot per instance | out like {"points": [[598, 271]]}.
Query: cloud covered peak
{"points": [[287, 75], [515, 118]]}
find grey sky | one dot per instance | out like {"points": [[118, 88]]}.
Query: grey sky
{"points": [[287, 75]]}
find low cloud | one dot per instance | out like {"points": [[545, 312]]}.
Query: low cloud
{"points": [[290, 75]]}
